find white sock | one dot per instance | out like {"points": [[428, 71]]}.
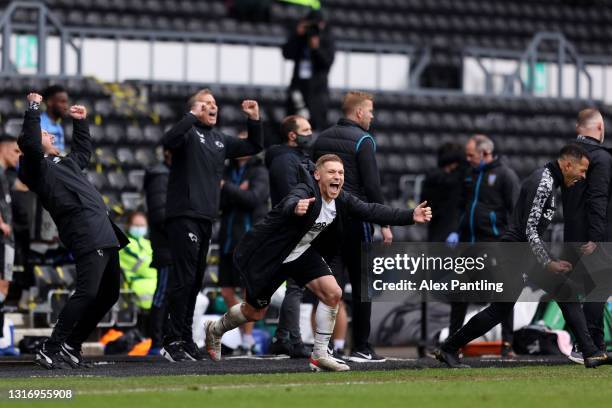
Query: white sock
{"points": [[339, 344], [248, 341], [230, 320], [325, 319]]}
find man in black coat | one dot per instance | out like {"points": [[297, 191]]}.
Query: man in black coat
{"points": [[194, 188], [350, 139], [442, 190], [532, 215], [156, 188], [84, 227], [285, 162], [586, 209], [291, 242], [244, 201], [311, 48]]}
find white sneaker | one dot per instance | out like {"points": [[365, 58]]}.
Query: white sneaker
{"points": [[327, 363], [212, 343], [576, 357]]}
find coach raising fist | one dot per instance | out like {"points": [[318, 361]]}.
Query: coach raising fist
{"points": [[84, 228], [198, 155]]}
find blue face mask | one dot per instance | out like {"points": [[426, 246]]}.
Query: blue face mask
{"points": [[138, 231]]}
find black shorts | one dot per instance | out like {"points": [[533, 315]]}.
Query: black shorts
{"points": [[229, 277], [309, 266], [338, 270]]}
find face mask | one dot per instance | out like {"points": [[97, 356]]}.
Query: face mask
{"points": [[138, 231], [303, 140]]}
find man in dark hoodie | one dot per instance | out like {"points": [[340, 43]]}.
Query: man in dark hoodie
{"points": [[284, 164], [291, 242], [442, 190], [586, 209], [84, 226], [194, 188], [533, 214], [490, 190], [244, 201]]}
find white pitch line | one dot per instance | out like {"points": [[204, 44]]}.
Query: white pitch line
{"points": [[229, 387]]}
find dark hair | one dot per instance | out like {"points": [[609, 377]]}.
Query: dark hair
{"points": [[450, 153], [289, 124], [573, 151], [7, 139], [51, 91]]}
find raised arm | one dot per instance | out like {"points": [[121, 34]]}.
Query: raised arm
{"points": [[81, 148], [253, 144], [30, 140], [176, 136], [385, 215]]}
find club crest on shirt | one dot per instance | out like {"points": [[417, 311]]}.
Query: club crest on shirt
{"points": [[193, 237], [219, 144], [492, 178], [57, 159]]}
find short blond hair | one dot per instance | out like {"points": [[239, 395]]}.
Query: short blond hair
{"points": [[353, 99], [328, 158]]}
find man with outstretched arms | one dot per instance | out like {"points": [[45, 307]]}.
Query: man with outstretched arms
{"points": [[291, 241]]}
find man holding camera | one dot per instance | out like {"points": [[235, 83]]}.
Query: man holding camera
{"points": [[312, 49]]}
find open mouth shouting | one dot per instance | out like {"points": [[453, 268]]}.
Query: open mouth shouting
{"points": [[334, 188]]}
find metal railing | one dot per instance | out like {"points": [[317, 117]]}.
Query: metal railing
{"points": [[565, 53], [48, 25]]}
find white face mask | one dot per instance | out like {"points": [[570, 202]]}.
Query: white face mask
{"points": [[138, 231]]}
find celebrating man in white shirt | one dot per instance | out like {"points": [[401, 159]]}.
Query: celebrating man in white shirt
{"points": [[291, 243]]}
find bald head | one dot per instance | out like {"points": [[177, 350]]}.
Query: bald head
{"points": [[590, 123]]}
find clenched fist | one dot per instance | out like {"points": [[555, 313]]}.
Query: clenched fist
{"points": [[78, 112], [34, 97], [251, 108], [301, 208]]}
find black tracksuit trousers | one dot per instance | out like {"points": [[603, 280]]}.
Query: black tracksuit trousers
{"points": [[97, 290], [488, 318], [189, 241]]}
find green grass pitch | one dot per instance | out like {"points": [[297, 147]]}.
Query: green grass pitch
{"points": [[549, 387]]}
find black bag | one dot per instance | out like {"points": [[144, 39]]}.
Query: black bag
{"points": [[125, 343], [536, 340], [31, 344]]}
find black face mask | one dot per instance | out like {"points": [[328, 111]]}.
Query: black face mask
{"points": [[303, 141]]}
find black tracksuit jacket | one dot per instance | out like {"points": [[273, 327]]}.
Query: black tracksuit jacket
{"points": [[588, 203], [261, 252], [198, 158], [241, 209], [357, 148], [75, 206], [156, 188], [284, 163]]}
